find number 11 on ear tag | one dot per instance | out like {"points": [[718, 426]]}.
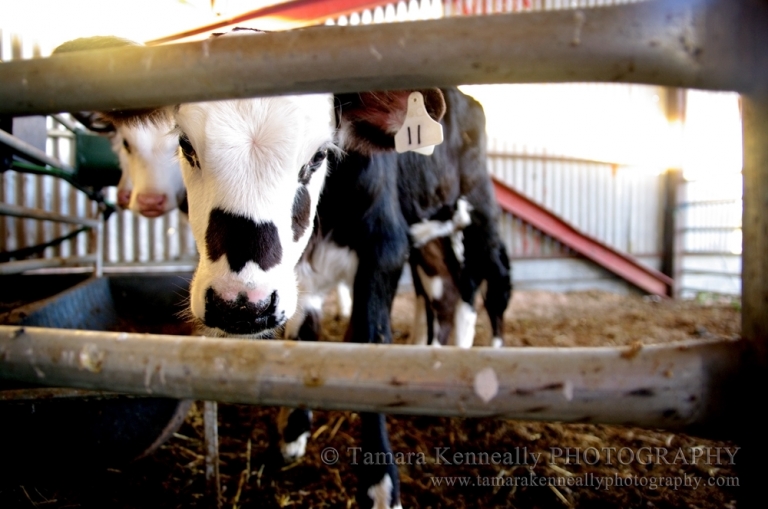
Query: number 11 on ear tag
{"points": [[419, 132]]}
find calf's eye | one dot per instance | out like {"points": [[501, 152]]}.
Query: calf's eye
{"points": [[187, 151], [308, 169], [318, 158]]}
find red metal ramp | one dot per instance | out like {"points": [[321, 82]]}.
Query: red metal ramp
{"points": [[621, 264]]}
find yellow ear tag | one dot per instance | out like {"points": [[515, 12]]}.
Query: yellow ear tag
{"points": [[419, 132]]}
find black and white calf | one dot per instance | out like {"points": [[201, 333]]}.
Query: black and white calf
{"points": [[254, 170], [436, 260], [447, 205], [371, 209], [456, 172], [438, 263]]}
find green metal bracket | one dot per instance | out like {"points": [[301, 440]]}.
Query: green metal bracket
{"points": [[96, 164]]}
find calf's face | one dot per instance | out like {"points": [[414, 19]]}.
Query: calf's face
{"points": [[151, 183], [253, 171]]}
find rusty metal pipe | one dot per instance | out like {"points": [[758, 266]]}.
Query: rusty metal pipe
{"points": [[676, 386], [680, 43]]}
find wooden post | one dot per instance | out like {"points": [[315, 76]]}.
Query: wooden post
{"points": [[212, 477], [752, 466], [670, 236], [675, 102]]}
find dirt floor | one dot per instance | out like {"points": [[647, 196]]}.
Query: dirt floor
{"points": [[542, 465]]}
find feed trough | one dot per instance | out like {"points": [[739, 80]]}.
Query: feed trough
{"points": [[79, 429]]}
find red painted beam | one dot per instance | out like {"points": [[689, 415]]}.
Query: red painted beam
{"points": [[306, 11], [624, 266]]}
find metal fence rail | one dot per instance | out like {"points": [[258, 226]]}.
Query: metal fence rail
{"points": [[639, 43], [673, 386]]}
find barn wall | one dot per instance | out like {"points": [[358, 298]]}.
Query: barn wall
{"points": [[710, 203], [710, 238], [618, 205]]}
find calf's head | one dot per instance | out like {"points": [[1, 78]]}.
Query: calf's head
{"points": [[151, 184], [253, 170]]}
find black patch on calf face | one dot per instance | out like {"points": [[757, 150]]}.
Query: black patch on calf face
{"points": [[242, 240], [240, 316], [300, 212]]}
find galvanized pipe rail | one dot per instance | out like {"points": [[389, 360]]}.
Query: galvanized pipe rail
{"points": [[20, 266], [25, 212], [673, 386], [679, 43], [31, 153]]}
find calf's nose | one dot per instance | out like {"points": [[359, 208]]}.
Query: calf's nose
{"points": [[124, 198], [240, 315], [151, 204]]}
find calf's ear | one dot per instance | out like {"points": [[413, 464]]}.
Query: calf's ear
{"points": [[158, 116], [94, 121], [368, 121]]}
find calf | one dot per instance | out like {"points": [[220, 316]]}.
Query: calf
{"points": [[437, 263], [436, 260], [459, 169], [254, 170], [362, 235], [448, 201], [439, 197], [151, 184]]}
